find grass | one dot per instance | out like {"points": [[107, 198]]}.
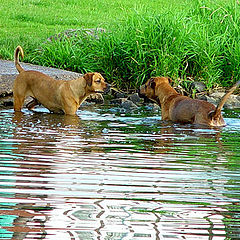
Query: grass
{"points": [[198, 40], [30, 22]]}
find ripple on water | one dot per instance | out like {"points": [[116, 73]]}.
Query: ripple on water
{"points": [[105, 175]]}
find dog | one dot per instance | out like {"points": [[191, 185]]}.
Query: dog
{"points": [[58, 96], [182, 109]]}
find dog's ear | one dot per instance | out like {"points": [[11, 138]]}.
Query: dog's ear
{"points": [[88, 77], [152, 83]]}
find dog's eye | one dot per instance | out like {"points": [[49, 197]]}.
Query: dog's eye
{"points": [[98, 81]]}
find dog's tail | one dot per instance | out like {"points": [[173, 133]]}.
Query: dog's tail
{"points": [[16, 58], [218, 109]]}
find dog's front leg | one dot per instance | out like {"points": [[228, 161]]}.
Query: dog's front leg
{"points": [[18, 102], [70, 108]]}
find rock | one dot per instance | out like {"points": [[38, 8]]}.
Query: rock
{"points": [[117, 94], [202, 97], [211, 100], [217, 95], [120, 95], [69, 33], [118, 101], [128, 105], [153, 107], [232, 102], [96, 98], [198, 86], [214, 98], [134, 98]]}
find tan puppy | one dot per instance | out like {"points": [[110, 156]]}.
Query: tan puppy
{"points": [[178, 108], [59, 96]]}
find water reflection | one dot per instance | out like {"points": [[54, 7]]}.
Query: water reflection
{"points": [[104, 175]]}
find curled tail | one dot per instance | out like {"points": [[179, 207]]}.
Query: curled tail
{"points": [[217, 112], [16, 58]]}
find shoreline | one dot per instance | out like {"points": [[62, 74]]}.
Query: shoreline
{"points": [[126, 101]]}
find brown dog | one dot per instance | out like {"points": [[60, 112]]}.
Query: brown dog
{"points": [[178, 108], [56, 95]]}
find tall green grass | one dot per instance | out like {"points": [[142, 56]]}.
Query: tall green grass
{"points": [[202, 43]]}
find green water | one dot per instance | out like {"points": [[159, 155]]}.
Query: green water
{"points": [[109, 174]]}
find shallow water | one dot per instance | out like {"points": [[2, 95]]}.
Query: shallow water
{"points": [[112, 175]]}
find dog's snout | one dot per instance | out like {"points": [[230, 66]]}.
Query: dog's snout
{"points": [[141, 95]]}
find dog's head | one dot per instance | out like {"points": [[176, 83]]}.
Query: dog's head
{"points": [[95, 83], [149, 88]]}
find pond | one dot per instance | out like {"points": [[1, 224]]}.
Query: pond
{"points": [[110, 174]]}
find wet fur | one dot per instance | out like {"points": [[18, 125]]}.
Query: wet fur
{"points": [[178, 108]]}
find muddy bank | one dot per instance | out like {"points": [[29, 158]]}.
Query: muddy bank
{"points": [[125, 101]]}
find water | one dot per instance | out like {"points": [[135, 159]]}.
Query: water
{"points": [[112, 175]]}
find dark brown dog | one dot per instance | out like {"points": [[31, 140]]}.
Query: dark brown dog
{"points": [[178, 108], [56, 95]]}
